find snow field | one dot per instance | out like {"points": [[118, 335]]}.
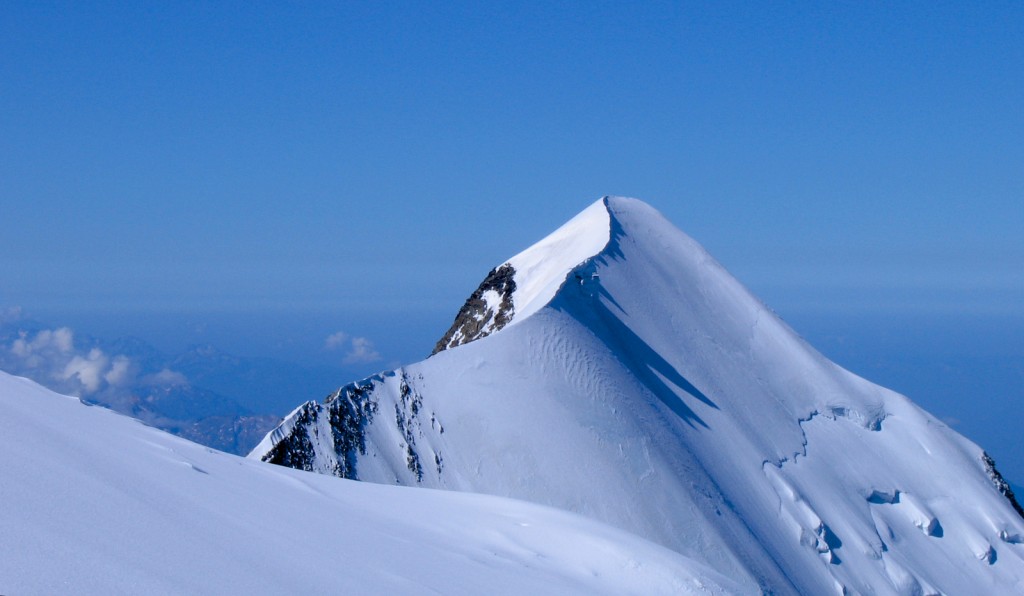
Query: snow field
{"points": [[97, 503]]}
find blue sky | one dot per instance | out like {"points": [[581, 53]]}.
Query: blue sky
{"points": [[237, 171]]}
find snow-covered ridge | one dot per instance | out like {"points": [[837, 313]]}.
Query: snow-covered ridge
{"points": [[287, 427], [649, 389], [527, 282], [542, 268]]}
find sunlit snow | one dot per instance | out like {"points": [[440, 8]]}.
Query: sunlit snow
{"points": [[92, 502]]}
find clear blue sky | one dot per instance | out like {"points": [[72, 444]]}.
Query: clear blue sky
{"points": [[365, 164]]}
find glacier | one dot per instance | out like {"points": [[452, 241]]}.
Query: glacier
{"points": [[616, 370]]}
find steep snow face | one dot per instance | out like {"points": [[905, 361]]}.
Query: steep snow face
{"points": [[541, 269], [652, 391], [525, 283], [97, 503]]}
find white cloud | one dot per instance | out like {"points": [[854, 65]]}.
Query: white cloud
{"points": [[50, 357], [88, 370], [62, 339], [22, 348], [335, 340], [57, 340], [120, 372], [358, 349], [362, 351]]}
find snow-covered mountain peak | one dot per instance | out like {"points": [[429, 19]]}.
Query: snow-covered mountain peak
{"points": [[525, 283], [643, 385], [529, 281]]}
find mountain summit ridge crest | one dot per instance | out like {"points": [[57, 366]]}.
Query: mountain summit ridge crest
{"points": [[640, 384]]}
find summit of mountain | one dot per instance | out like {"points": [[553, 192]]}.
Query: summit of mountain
{"points": [[617, 370]]}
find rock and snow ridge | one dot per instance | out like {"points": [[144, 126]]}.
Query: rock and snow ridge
{"points": [[635, 381], [528, 281], [94, 502]]}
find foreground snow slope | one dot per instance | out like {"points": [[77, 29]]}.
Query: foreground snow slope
{"points": [[92, 502], [653, 392]]}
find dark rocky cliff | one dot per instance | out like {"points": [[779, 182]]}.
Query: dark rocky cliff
{"points": [[477, 318]]}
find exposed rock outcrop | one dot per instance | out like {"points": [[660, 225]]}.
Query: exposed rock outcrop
{"points": [[487, 310]]}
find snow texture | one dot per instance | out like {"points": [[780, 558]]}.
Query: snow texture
{"points": [[94, 502], [641, 385]]}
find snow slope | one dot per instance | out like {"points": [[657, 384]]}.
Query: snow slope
{"points": [[653, 392], [92, 502], [541, 269]]}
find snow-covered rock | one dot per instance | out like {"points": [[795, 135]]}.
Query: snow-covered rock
{"points": [[615, 369], [92, 502]]}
